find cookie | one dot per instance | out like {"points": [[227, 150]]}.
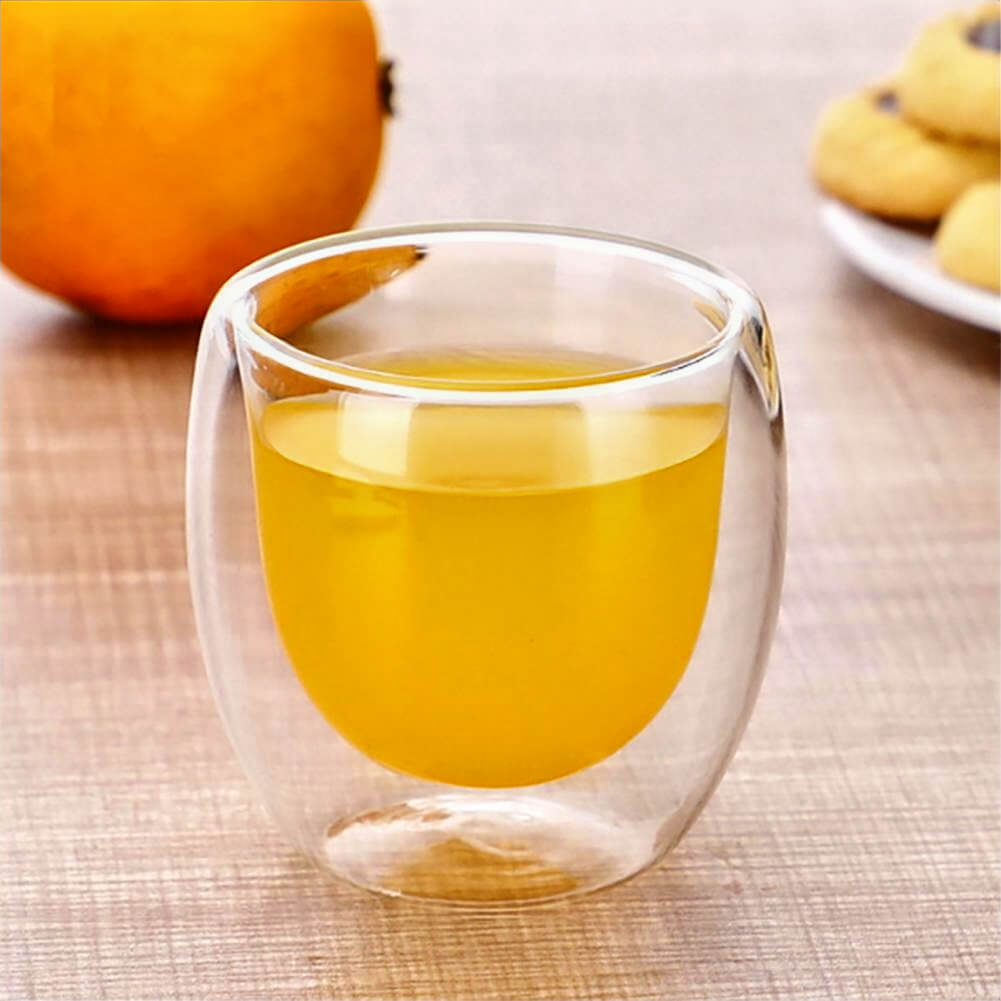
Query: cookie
{"points": [[867, 155], [949, 81], [968, 243]]}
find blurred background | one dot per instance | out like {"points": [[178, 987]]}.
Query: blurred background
{"points": [[685, 123]]}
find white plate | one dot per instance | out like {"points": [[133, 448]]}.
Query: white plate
{"points": [[904, 261]]}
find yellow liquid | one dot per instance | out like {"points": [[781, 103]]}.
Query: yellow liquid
{"points": [[487, 596]]}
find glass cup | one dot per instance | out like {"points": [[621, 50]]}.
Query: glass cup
{"points": [[485, 528]]}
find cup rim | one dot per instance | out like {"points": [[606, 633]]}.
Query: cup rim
{"points": [[234, 302]]}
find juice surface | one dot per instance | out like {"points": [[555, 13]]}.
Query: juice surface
{"points": [[487, 596]]}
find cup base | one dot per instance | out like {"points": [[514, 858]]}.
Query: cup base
{"points": [[488, 852]]}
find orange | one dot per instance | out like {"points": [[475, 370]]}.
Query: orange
{"points": [[151, 149]]}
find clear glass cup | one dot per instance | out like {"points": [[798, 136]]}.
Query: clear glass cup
{"points": [[486, 530]]}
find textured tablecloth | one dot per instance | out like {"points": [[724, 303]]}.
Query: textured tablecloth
{"points": [[852, 850]]}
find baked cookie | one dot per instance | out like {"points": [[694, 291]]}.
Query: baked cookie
{"points": [[968, 243], [949, 81], [867, 155]]}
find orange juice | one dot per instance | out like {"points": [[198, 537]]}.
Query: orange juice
{"points": [[481, 595]]}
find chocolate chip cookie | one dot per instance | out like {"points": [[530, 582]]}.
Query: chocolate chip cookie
{"points": [[950, 80], [968, 243], [866, 154]]}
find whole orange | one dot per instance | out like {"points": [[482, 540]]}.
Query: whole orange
{"points": [[150, 149]]}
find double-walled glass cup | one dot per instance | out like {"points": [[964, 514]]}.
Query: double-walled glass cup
{"points": [[486, 526]]}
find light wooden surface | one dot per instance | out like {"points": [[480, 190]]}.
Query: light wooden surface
{"points": [[852, 850]]}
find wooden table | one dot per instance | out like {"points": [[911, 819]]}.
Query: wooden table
{"points": [[852, 850]]}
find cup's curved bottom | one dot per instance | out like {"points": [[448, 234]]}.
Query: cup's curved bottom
{"points": [[485, 851]]}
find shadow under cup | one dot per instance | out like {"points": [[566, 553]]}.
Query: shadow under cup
{"points": [[485, 531]]}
